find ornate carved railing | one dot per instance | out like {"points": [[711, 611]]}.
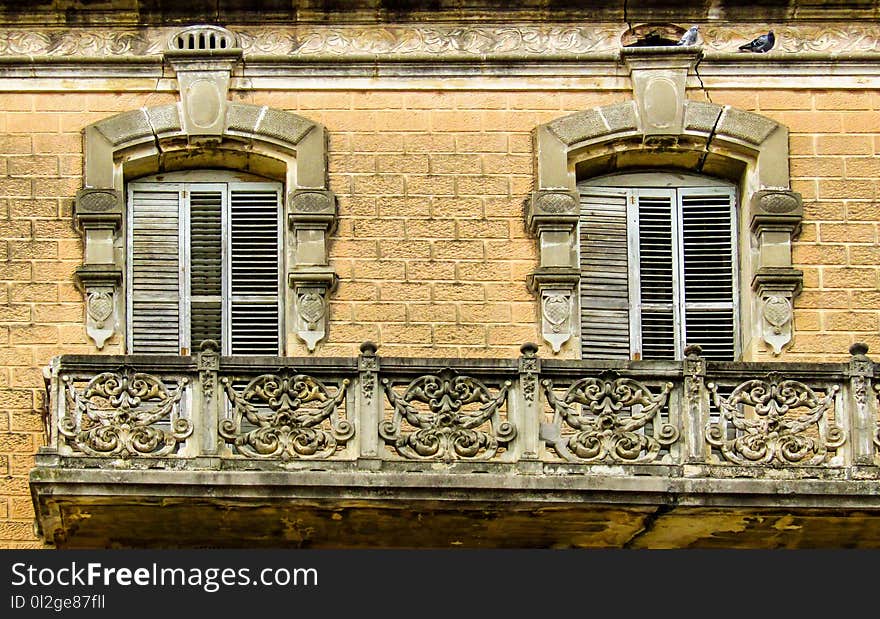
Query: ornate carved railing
{"points": [[739, 419]]}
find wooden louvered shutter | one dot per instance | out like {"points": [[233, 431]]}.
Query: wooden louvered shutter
{"points": [[604, 274], [254, 267], [155, 284], [206, 208], [709, 251], [656, 297]]}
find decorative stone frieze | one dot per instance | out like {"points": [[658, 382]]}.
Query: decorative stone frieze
{"points": [[540, 41]]}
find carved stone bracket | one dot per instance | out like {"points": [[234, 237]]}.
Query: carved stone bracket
{"points": [[312, 217], [552, 215], [775, 291], [776, 220], [557, 290], [311, 289], [98, 216]]}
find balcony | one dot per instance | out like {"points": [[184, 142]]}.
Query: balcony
{"points": [[212, 451]]}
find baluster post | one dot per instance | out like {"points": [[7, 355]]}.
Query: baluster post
{"points": [[696, 405], [862, 405], [368, 406], [207, 399], [525, 410]]}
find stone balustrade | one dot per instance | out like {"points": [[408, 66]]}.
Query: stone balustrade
{"points": [[688, 418]]}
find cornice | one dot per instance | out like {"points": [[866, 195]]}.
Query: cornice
{"points": [[523, 41]]}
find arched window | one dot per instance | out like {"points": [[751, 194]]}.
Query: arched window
{"points": [[188, 239], [658, 263], [635, 264], [204, 262]]}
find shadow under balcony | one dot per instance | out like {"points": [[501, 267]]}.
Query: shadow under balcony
{"points": [[211, 451]]}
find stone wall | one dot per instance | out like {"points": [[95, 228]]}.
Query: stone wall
{"points": [[431, 249]]}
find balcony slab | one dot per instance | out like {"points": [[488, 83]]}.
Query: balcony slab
{"points": [[355, 508]]}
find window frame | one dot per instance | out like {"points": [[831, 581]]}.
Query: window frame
{"points": [[674, 186], [224, 182]]}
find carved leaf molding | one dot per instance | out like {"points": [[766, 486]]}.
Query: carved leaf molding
{"points": [[539, 40]]}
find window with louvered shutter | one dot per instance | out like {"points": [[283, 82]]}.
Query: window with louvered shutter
{"points": [[205, 264], [658, 269]]}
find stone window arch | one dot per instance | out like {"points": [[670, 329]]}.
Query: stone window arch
{"points": [[205, 130], [660, 129]]}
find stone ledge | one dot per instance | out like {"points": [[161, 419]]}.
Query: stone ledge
{"points": [[166, 509]]}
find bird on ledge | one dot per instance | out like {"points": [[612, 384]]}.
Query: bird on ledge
{"points": [[690, 37], [760, 45]]}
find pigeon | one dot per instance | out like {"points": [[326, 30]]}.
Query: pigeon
{"points": [[689, 37], [763, 43]]}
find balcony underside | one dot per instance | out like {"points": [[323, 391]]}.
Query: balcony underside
{"points": [[501, 507]]}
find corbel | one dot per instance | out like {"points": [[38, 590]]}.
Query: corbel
{"points": [[552, 216], [312, 217], [775, 222], [98, 217]]}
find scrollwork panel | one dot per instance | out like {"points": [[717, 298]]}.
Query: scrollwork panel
{"points": [[609, 419], [447, 416], [285, 416], [124, 413], [773, 421]]}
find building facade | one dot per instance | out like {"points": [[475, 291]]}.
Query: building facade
{"points": [[439, 274]]}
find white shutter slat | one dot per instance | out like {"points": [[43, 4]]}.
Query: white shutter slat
{"points": [[254, 266], [604, 274], [206, 265], [155, 270], [709, 271], [657, 265]]}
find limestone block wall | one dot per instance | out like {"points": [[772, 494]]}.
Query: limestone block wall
{"points": [[431, 248]]}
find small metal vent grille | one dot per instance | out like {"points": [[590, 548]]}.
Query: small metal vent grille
{"points": [[203, 38]]}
